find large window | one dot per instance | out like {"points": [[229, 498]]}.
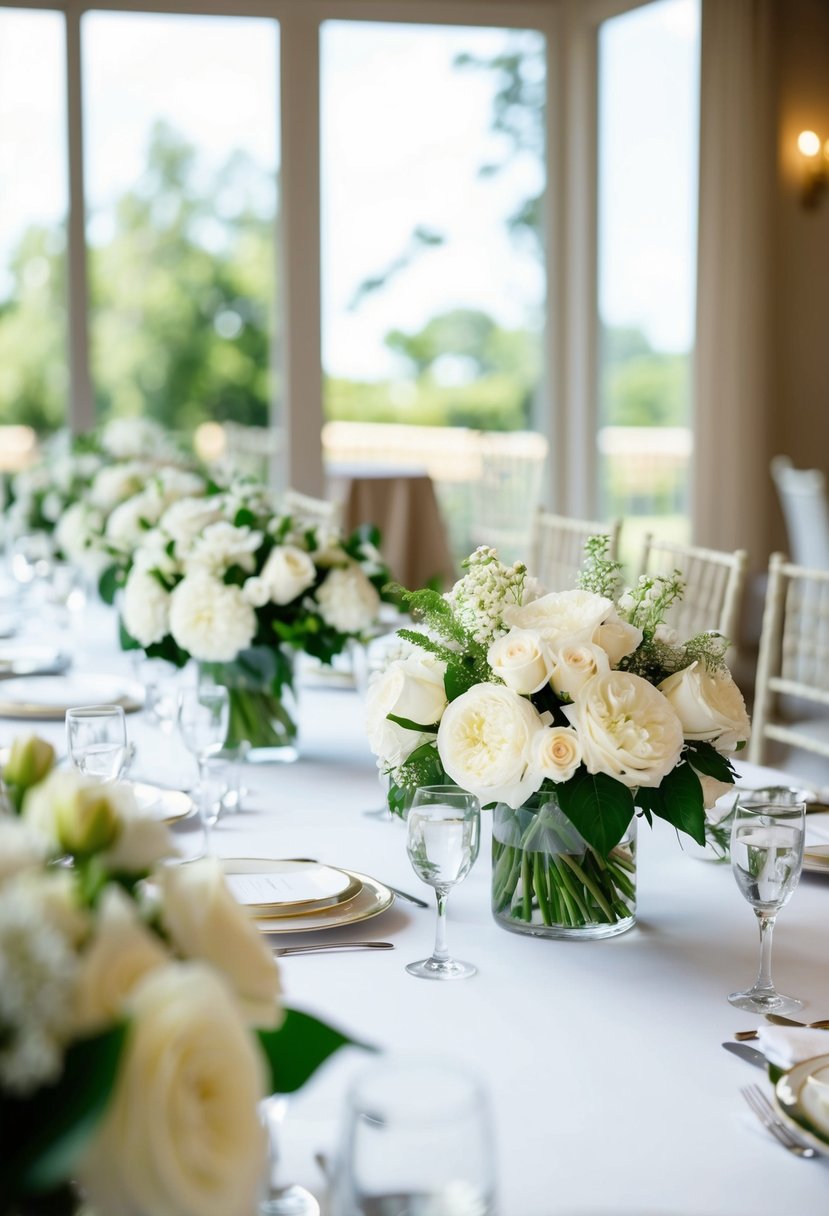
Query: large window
{"points": [[33, 206], [648, 120]]}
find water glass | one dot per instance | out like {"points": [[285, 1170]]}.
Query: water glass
{"points": [[96, 740], [203, 716], [766, 859], [443, 834], [416, 1141]]}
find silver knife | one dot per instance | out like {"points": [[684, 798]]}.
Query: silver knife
{"points": [[750, 1054]]}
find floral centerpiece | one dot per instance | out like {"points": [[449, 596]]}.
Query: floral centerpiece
{"points": [[565, 712], [140, 1012], [239, 586]]}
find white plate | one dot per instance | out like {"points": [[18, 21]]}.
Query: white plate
{"points": [[797, 1101], [48, 697], [31, 660], [158, 803], [285, 888], [373, 899]]}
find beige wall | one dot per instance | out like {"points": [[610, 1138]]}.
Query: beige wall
{"points": [[800, 420]]}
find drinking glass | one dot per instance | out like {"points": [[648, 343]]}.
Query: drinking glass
{"points": [[279, 1198], [203, 714], [442, 839], [96, 739], [416, 1141], [767, 857]]}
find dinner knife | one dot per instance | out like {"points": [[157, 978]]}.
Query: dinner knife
{"points": [[750, 1054]]}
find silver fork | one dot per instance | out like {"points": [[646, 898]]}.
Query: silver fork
{"points": [[767, 1115]]}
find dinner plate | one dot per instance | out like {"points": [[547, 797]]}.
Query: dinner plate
{"points": [[48, 697], [372, 899], [280, 888], [816, 858], [31, 661], [799, 1102], [158, 803]]}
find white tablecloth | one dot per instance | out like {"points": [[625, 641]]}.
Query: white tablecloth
{"points": [[611, 1092]]}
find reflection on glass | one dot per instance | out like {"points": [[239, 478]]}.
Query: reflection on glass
{"points": [[433, 278], [648, 136], [181, 149], [33, 205]]}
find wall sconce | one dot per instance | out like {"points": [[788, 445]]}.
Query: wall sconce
{"points": [[815, 168]]}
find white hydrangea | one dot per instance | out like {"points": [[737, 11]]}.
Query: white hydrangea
{"points": [[146, 608], [347, 600], [222, 545], [210, 620], [78, 534]]}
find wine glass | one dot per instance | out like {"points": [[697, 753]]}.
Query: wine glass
{"points": [[767, 857], [416, 1139], [96, 739], [203, 716], [442, 839], [279, 1198]]}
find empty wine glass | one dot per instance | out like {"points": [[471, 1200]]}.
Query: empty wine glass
{"points": [[203, 715], [96, 739], [280, 1198], [767, 857], [416, 1141], [442, 840]]}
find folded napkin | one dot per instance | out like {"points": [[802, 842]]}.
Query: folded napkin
{"points": [[785, 1046]]}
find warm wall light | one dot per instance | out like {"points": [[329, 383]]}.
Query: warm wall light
{"points": [[815, 167]]}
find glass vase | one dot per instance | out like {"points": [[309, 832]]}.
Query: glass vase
{"points": [[261, 687], [548, 882]]}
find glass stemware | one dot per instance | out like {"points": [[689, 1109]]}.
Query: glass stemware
{"points": [[443, 833], [96, 739], [766, 858], [203, 714], [416, 1141]]}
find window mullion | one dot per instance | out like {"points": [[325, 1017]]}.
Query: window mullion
{"points": [[81, 401]]}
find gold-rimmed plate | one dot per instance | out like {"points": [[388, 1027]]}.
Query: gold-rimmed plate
{"points": [[816, 858], [47, 698], [372, 899], [155, 802], [802, 1100], [284, 889], [19, 660]]}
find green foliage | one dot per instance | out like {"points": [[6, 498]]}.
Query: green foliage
{"points": [[599, 573], [598, 807], [679, 801], [707, 760], [296, 1050]]}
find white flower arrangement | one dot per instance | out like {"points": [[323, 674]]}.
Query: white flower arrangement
{"points": [[140, 1011]]}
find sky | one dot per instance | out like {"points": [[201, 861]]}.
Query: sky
{"points": [[395, 155]]}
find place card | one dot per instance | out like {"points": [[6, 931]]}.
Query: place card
{"points": [[305, 885]]}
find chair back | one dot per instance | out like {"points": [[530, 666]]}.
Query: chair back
{"points": [[508, 490], [791, 699], [802, 494], [557, 547], [714, 585]]}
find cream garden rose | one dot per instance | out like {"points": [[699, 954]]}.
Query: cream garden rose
{"points": [[145, 608], [485, 742], [347, 600], [556, 753], [410, 688], [561, 615], [522, 660], [616, 637], [574, 664], [287, 573], [211, 620], [627, 729], [710, 706], [181, 1134]]}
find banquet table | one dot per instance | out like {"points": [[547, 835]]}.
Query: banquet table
{"points": [[610, 1092]]}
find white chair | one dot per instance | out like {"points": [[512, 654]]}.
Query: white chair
{"points": [[714, 585], [508, 490], [802, 494], [791, 701], [557, 547]]}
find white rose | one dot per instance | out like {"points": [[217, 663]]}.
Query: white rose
{"points": [[411, 688], [561, 615], [130, 521], [181, 1134], [616, 637], [521, 659], [485, 743], [115, 483], [710, 706], [255, 592], [627, 729], [574, 664], [347, 600], [78, 529], [712, 791], [556, 752], [73, 814], [21, 847], [145, 608], [121, 952], [287, 573], [129, 437], [222, 545], [142, 841], [187, 518], [210, 620], [171, 484], [205, 922]]}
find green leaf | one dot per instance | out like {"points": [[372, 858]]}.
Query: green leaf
{"points": [[459, 678], [681, 802], [708, 761], [416, 726], [45, 1134], [295, 1051], [245, 518], [598, 806], [110, 582]]}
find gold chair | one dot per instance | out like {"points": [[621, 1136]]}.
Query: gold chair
{"points": [[714, 585], [557, 547]]}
